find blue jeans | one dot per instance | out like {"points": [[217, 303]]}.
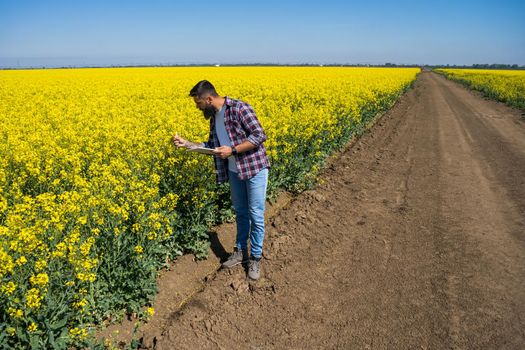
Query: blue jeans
{"points": [[249, 199]]}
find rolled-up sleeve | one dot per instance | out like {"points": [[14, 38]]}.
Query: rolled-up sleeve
{"points": [[250, 123]]}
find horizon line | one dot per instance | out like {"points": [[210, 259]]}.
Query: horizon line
{"points": [[261, 64]]}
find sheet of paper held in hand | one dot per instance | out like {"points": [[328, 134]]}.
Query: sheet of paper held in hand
{"points": [[202, 150]]}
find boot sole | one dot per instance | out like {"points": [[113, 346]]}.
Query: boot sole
{"points": [[230, 266]]}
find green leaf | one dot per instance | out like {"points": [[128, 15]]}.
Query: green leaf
{"points": [[59, 324], [34, 342]]}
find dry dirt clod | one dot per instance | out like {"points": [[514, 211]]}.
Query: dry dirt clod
{"points": [[208, 325], [240, 286]]}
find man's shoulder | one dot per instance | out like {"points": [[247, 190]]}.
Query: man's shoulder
{"points": [[237, 104]]}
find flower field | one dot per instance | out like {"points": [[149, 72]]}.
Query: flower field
{"points": [[503, 85], [95, 198]]}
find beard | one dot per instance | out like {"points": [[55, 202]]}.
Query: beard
{"points": [[208, 111]]}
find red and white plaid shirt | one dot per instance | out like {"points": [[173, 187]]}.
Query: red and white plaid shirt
{"points": [[241, 124]]}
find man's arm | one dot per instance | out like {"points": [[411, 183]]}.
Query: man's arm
{"points": [[180, 142], [251, 123], [245, 147], [226, 151]]}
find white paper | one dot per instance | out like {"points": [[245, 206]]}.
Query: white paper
{"points": [[202, 150]]}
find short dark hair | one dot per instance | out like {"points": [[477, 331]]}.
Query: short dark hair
{"points": [[202, 88]]}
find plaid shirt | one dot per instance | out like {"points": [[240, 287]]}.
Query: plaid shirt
{"points": [[241, 124]]}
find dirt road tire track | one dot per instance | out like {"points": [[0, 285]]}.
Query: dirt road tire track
{"points": [[414, 240]]}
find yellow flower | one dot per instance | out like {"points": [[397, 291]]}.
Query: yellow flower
{"points": [[7, 263], [86, 277], [152, 235], [32, 327], [11, 331], [15, 313], [40, 265], [150, 311], [78, 333], [9, 288], [138, 249], [33, 298], [80, 304], [21, 260], [40, 280], [85, 248]]}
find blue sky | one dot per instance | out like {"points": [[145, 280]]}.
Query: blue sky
{"points": [[150, 32]]}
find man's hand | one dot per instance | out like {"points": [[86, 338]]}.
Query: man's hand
{"points": [[179, 141], [223, 151]]}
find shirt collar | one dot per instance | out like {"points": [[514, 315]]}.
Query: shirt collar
{"points": [[228, 101]]}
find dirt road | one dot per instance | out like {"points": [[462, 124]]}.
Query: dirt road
{"points": [[415, 240]]}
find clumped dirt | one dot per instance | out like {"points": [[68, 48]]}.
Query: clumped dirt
{"points": [[415, 239]]}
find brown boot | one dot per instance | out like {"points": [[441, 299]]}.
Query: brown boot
{"points": [[238, 256]]}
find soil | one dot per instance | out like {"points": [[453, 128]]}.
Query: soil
{"points": [[414, 239]]}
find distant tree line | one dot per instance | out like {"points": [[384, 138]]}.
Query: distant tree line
{"points": [[480, 66]]}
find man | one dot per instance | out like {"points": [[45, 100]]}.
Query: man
{"points": [[240, 158]]}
